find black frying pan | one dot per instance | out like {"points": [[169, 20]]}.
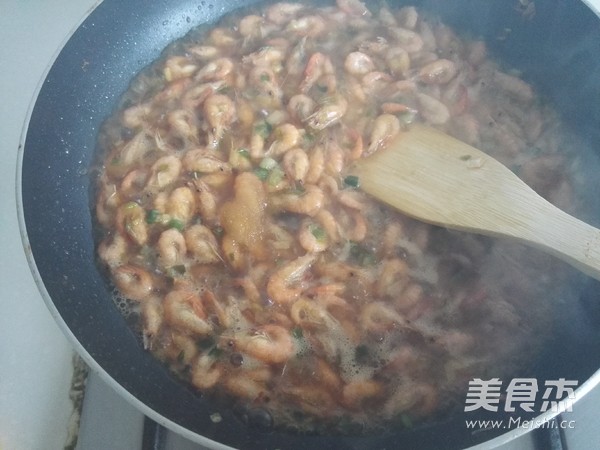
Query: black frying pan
{"points": [[558, 50]]}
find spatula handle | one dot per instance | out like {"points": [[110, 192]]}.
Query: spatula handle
{"points": [[569, 239]]}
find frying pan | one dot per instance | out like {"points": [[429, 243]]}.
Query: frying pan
{"points": [[558, 50]]}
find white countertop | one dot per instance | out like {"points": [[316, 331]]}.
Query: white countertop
{"points": [[35, 357]]}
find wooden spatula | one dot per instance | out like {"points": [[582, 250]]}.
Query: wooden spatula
{"points": [[438, 179]]}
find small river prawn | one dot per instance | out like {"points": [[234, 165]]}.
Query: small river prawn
{"points": [[271, 343], [171, 248], [330, 111], [309, 201], [219, 111], [385, 128], [318, 65], [133, 282], [286, 284], [183, 309]]}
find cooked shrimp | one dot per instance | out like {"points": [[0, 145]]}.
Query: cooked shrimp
{"points": [[432, 110], [358, 63], [177, 67], [134, 150], [407, 39], [164, 172], [329, 224], [203, 160], [202, 244], [379, 317], [285, 136], [272, 344], [312, 237], [251, 26], [296, 164], [203, 52], [356, 393], [219, 110], [131, 222], [286, 284], [311, 26], [300, 107], [514, 86], [206, 201], [135, 116], [318, 66], [354, 229], [309, 314], [222, 37], [408, 17], [307, 202], [377, 47], [184, 310], [171, 247], [281, 13], [398, 60], [196, 95], [206, 372], [316, 165], [112, 250], [181, 204], [353, 7], [329, 113], [385, 127], [296, 59], [440, 71], [133, 282], [250, 384], [184, 123], [393, 277], [152, 319], [334, 159]]}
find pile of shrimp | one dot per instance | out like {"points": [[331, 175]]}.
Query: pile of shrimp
{"points": [[261, 272]]}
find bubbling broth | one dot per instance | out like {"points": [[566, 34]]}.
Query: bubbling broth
{"points": [[259, 271]]}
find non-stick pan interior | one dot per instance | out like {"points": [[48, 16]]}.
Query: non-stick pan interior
{"points": [[557, 49]]}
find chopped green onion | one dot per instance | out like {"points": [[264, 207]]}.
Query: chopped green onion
{"points": [[263, 129], [176, 271], [264, 77], [261, 173], [152, 216], [319, 233], [177, 224], [268, 163], [297, 333], [465, 157], [408, 117], [215, 352], [308, 140], [130, 205], [352, 181], [275, 176], [361, 255], [244, 153]]}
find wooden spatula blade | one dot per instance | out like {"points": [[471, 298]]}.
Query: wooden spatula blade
{"points": [[435, 178]]}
